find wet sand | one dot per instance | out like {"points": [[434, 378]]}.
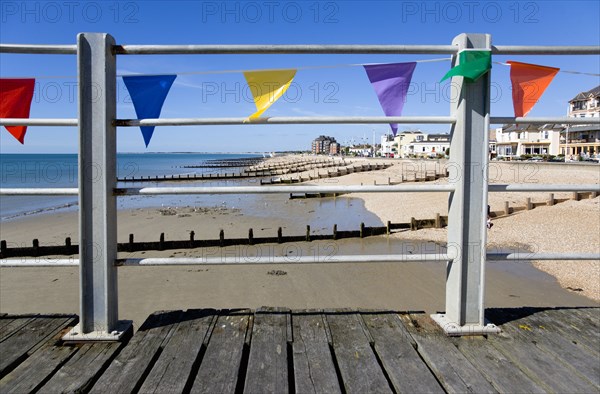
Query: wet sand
{"points": [[397, 286], [391, 286]]}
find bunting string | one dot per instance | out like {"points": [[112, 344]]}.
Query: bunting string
{"points": [[210, 72]]}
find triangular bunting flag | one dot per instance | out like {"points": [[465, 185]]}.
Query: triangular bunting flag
{"points": [[148, 93], [529, 81], [391, 82], [15, 102], [267, 87], [472, 64]]}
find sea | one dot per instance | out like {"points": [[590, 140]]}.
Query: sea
{"points": [[61, 171]]}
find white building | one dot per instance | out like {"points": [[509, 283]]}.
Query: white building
{"points": [[517, 140], [388, 148], [585, 104], [583, 140], [404, 139], [427, 145]]}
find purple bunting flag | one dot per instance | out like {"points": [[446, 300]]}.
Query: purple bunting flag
{"points": [[148, 93], [391, 82]]}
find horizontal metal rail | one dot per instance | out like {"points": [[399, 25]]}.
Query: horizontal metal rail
{"points": [[229, 260], [38, 122], [39, 49], [528, 187], [39, 191], [302, 49], [545, 50], [233, 260], [283, 189], [286, 120], [309, 49], [258, 260], [524, 256], [543, 120], [533, 187], [38, 262]]}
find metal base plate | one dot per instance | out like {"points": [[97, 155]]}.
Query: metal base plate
{"points": [[75, 334], [452, 329]]}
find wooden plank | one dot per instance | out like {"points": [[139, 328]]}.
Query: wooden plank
{"points": [[544, 369], [357, 363], [498, 369], [569, 328], [314, 370], [10, 326], [574, 328], [591, 314], [36, 369], [573, 357], [406, 370], [172, 370], [126, 372], [29, 338], [81, 370], [267, 364], [220, 365], [452, 369]]}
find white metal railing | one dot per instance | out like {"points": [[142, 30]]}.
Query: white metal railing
{"points": [[469, 119]]}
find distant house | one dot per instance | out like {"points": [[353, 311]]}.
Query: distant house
{"points": [[404, 139], [361, 150], [585, 104], [582, 140], [516, 140], [428, 145], [388, 146]]}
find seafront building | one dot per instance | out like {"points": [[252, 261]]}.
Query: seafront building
{"points": [[582, 141], [404, 139], [388, 146], [512, 141], [325, 145], [429, 145]]}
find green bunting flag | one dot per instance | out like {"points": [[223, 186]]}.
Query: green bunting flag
{"points": [[472, 64]]}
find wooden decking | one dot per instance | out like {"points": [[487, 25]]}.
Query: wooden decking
{"points": [[278, 351]]}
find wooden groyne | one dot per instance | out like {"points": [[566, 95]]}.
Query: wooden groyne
{"points": [[225, 163], [246, 171], [363, 231], [68, 248], [306, 177]]}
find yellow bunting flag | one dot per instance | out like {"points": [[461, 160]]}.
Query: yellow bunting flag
{"points": [[267, 87]]}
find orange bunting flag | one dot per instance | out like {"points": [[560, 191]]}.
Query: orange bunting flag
{"points": [[15, 102], [529, 81], [267, 87]]}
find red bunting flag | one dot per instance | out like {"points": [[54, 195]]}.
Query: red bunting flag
{"points": [[15, 102], [529, 81]]}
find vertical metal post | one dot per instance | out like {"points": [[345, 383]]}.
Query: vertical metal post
{"points": [[467, 211], [96, 63]]}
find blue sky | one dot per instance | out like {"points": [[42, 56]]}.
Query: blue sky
{"points": [[327, 91]]}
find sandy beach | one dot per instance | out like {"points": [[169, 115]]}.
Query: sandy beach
{"points": [[570, 226]]}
